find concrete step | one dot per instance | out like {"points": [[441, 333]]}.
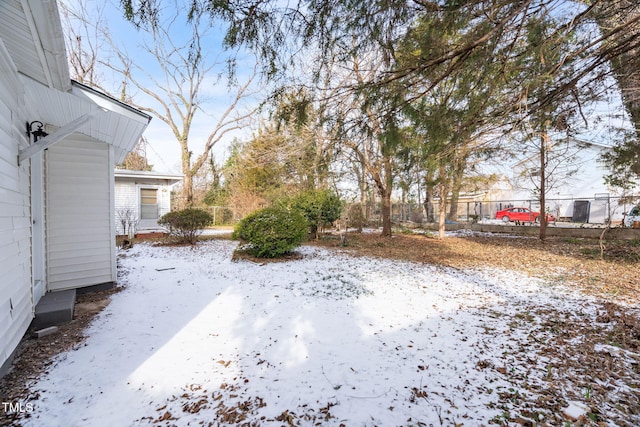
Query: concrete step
{"points": [[54, 308]]}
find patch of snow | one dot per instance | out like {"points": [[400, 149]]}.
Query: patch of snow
{"points": [[328, 338], [216, 231], [575, 410]]}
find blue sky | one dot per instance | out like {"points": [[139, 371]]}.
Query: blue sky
{"points": [[163, 150]]}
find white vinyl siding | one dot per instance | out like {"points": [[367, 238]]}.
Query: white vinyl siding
{"points": [[16, 305], [35, 85], [126, 207], [126, 197], [78, 206]]}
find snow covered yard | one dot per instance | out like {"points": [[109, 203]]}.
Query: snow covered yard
{"points": [[330, 339]]}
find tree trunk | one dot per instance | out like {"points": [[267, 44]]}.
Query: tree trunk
{"points": [[453, 208], [442, 204], [363, 209], [386, 212], [455, 192], [385, 187], [429, 211], [403, 205], [442, 212], [364, 202], [428, 207], [187, 181], [543, 187], [626, 64], [385, 194], [187, 190]]}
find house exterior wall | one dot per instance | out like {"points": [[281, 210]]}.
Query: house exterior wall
{"points": [[79, 238], [56, 205], [126, 206], [16, 304]]}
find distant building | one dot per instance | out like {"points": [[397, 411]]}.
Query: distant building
{"points": [[141, 198], [576, 188]]}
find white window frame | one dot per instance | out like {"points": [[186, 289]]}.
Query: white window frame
{"points": [[158, 190]]}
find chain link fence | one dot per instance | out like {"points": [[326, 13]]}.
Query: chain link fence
{"points": [[600, 209]]}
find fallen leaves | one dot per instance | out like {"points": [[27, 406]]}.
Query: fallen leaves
{"points": [[164, 417], [577, 363], [559, 260], [555, 356], [232, 404], [34, 356], [224, 363]]}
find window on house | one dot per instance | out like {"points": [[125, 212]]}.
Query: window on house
{"points": [[148, 203]]}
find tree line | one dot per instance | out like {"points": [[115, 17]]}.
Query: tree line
{"points": [[395, 92]]}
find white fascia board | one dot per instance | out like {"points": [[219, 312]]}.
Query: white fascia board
{"points": [[46, 28], [125, 173], [109, 103], [113, 106]]}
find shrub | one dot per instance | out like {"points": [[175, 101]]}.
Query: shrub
{"points": [[319, 207], [186, 225], [271, 232]]}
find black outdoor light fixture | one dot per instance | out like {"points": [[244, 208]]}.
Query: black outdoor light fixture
{"points": [[37, 133]]}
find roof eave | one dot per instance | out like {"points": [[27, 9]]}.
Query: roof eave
{"points": [[43, 18], [125, 173]]}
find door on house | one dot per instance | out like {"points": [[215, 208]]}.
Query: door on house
{"points": [[37, 228], [148, 208]]}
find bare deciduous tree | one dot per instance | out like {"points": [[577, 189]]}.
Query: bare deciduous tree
{"points": [[87, 50], [171, 77], [176, 93], [86, 46]]}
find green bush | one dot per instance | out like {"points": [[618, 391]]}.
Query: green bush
{"points": [[271, 232], [186, 225], [319, 207]]}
